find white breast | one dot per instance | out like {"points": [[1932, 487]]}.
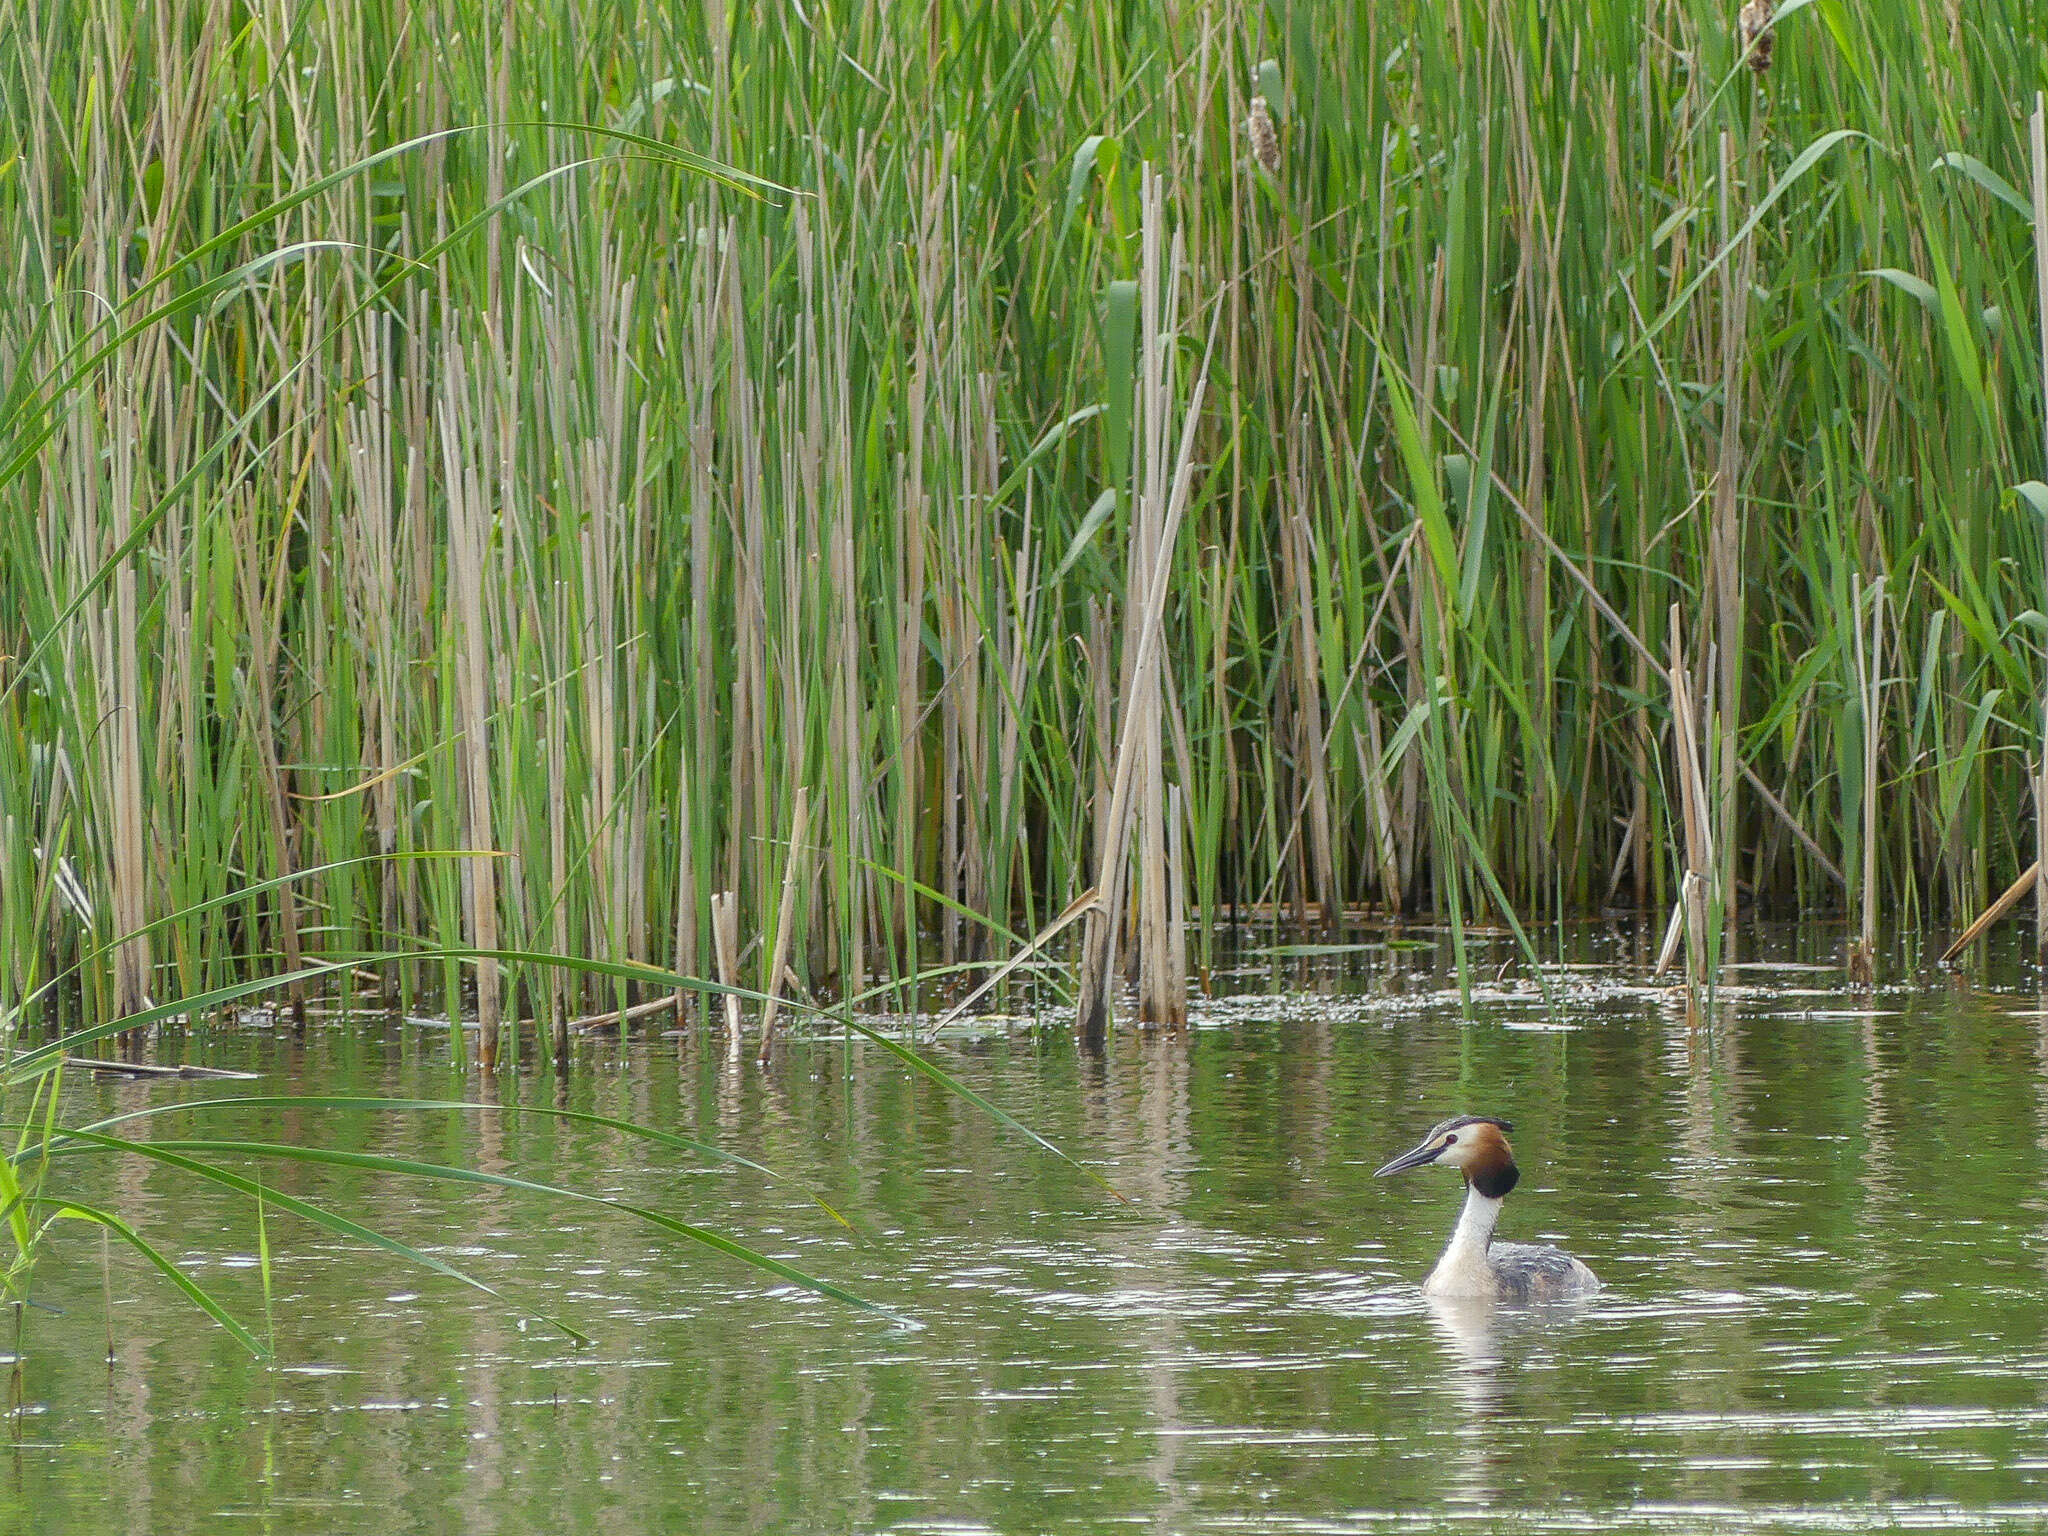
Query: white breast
{"points": [[1465, 1270], [1474, 1266]]}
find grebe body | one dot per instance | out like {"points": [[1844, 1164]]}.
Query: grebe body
{"points": [[1473, 1265]]}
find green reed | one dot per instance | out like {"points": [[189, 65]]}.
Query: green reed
{"points": [[523, 490]]}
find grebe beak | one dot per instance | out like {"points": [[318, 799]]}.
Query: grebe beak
{"points": [[1427, 1153]]}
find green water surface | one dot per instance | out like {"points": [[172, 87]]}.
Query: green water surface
{"points": [[1820, 1217]]}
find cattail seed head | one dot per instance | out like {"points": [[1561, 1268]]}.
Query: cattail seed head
{"points": [[1755, 21], [1265, 138]]}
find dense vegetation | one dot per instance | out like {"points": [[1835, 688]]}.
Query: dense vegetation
{"points": [[528, 489]]}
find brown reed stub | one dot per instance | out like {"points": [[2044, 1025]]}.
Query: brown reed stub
{"points": [[1757, 38], [1264, 136]]}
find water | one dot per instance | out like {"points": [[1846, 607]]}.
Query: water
{"points": [[1821, 1220]]}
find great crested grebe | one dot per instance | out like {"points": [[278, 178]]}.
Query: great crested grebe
{"points": [[1474, 1265]]}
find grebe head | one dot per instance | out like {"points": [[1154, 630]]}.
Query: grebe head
{"points": [[1475, 1145]]}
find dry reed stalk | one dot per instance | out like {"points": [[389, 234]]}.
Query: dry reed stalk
{"points": [[604, 443], [725, 939], [2037, 143], [128, 865], [1151, 557], [262, 600], [1176, 961], [846, 806], [369, 541], [1674, 931], [1869, 668], [1372, 770], [794, 865], [980, 572], [846, 744], [1100, 671], [1311, 742], [557, 724], [631, 887], [70, 511], [1411, 830], [1143, 720], [2012, 896], [916, 538], [416, 559], [1156, 518], [619, 1018], [468, 547], [964, 650], [2041, 836], [1302, 648], [180, 697], [686, 887], [956, 671], [1725, 551], [1692, 788], [1156, 1001], [910, 596], [1639, 809], [1958, 852], [1018, 663], [747, 759], [639, 855], [712, 273], [1075, 910], [597, 643]]}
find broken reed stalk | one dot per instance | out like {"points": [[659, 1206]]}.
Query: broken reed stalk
{"points": [[2013, 895], [619, 1018], [793, 867], [1698, 881], [725, 941], [1076, 909]]}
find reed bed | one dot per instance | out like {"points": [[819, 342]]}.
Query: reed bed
{"points": [[1297, 421]]}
